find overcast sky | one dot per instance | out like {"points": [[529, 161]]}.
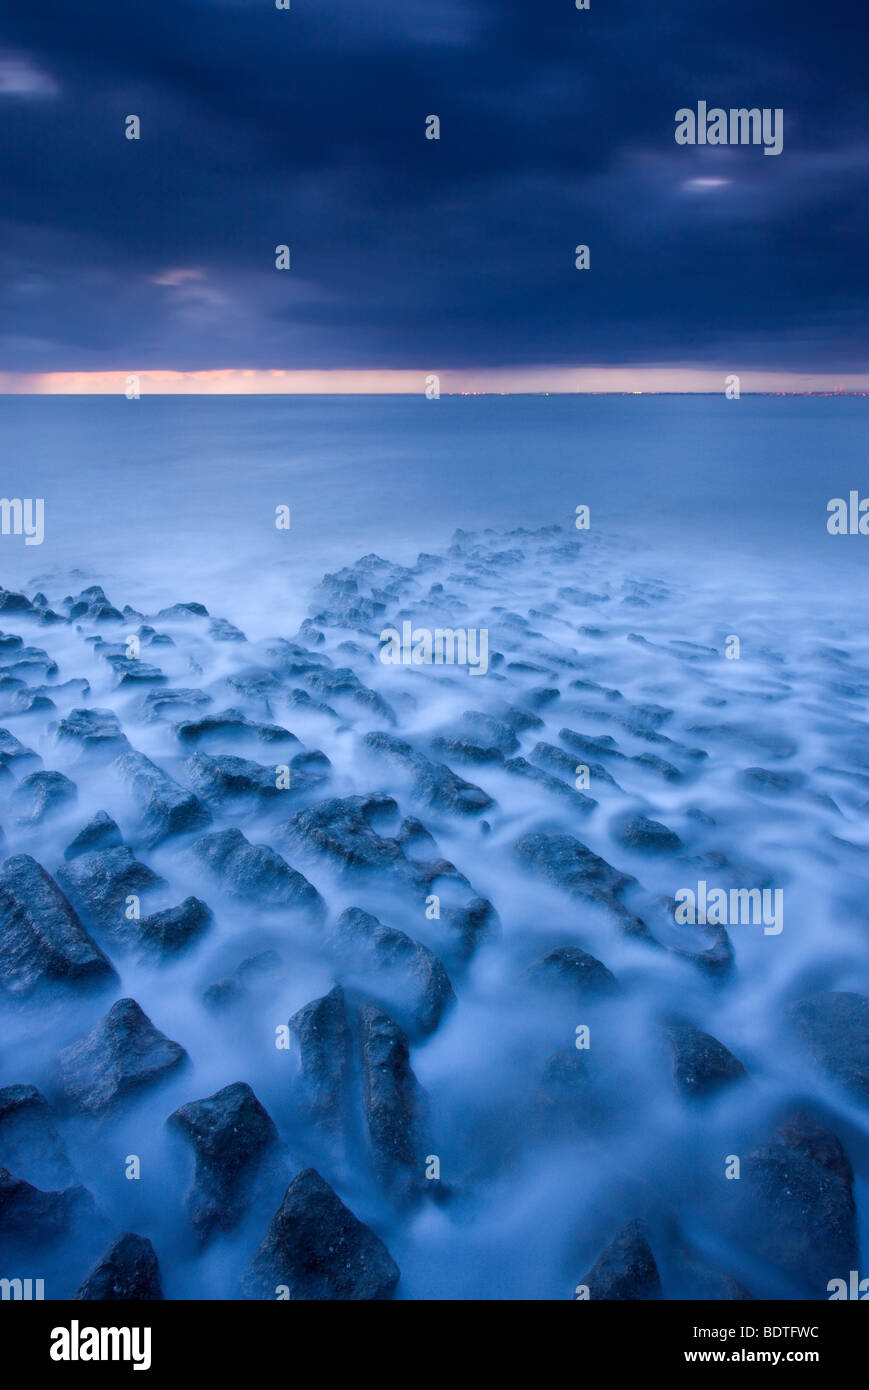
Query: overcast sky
{"points": [[307, 127]]}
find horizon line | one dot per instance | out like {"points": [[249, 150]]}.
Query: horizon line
{"points": [[539, 380]]}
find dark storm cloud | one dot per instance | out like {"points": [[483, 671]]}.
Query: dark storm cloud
{"points": [[262, 127]]}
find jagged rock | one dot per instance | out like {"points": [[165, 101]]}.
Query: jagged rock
{"points": [[182, 611], [317, 1249], [231, 1133], [322, 1032], [345, 830], [94, 731], [256, 871], [251, 972], [175, 928], [99, 883], [29, 1143], [798, 1209], [29, 1215], [167, 704], [647, 836], [581, 972], [835, 1027], [122, 1054], [41, 937], [579, 801], [167, 808], [127, 1271], [702, 1065], [231, 721], [42, 794], [404, 973], [394, 1103], [433, 782], [571, 865], [626, 1270], [101, 832]]}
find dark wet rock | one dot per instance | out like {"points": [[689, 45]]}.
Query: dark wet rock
{"points": [[167, 808], [231, 721], [221, 630], [465, 752], [434, 782], [592, 746], [518, 719], [175, 928], [480, 728], [571, 865], [41, 937], [92, 730], [540, 696], [834, 1025], [344, 829], [405, 974], [92, 604], [322, 1032], [130, 670], [317, 1249], [468, 926], [626, 1270], [770, 742], [568, 966], [101, 832], [659, 765], [183, 611], [702, 1066], [226, 775], [568, 766], [252, 973], [762, 779], [14, 603], [231, 1134], [14, 754], [168, 704], [122, 1055], [554, 785], [43, 794], [798, 1209], [127, 1271], [29, 1142], [99, 883], [394, 1102], [29, 1215], [256, 871], [647, 836]]}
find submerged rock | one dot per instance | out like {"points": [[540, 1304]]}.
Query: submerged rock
{"points": [[175, 928], [647, 836], [34, 1217], [315, 1248], [127, 1271], [394, 1103], [798, 1211], [626, 1270], [43, 794], [408, 976], [835, 1027], [41, 937], [122, 1055], [231, 1133], [702, 1065], [29, 1143], [568, 965]]}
